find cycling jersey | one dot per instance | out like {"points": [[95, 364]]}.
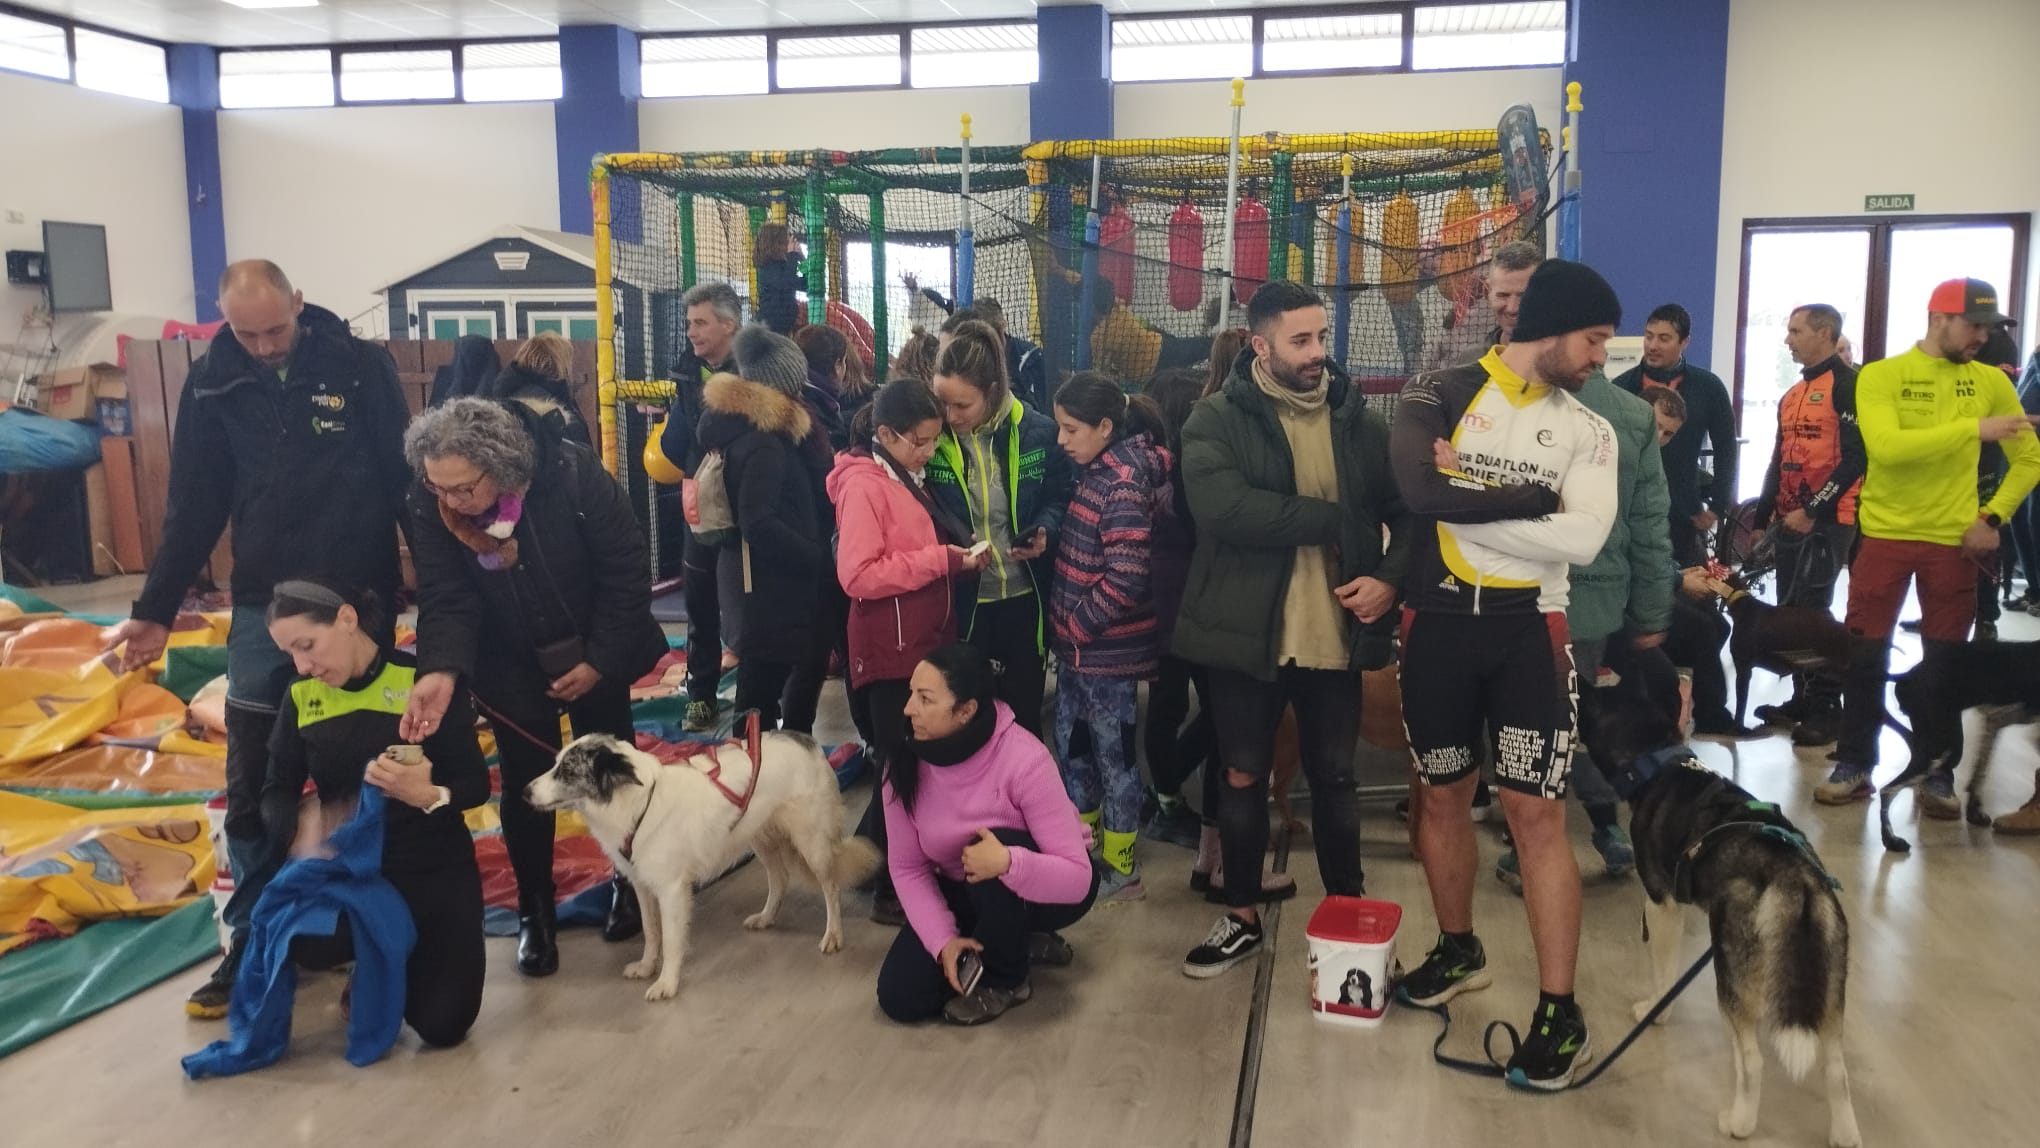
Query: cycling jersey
{"points": [[1919, 416], [1818, 464], [1534, 492]]}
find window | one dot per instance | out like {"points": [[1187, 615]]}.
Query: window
{"points": [[1317, 43], [454, 324], [122, 66], [1215, 47], [571, 326], [34, 47], [1490, 35], [379, 76], [296, 79], [975, 57], [703, 66], [528, 71], [839, 61]]}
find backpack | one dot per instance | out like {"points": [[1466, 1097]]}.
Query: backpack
{"points": [[705, 500]]}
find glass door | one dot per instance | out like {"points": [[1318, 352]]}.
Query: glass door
{"points": [[1788, 269], [1923, 256]]}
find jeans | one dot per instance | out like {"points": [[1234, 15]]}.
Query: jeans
{"points": [[1247, 711], [911, 984], [704, 619]]}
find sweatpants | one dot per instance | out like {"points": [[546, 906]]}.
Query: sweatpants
{"points": [[1009, 633], [443, 980], [1095, 720], [911, 984], [528, 833]]}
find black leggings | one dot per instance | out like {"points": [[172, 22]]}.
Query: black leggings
{"points": [[527, 833], [1174, 752], [911, 984], [1009, 633], [881, 706], [443, 981]]}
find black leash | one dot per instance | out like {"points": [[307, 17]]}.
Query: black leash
{"points": [[1498, 1069]]}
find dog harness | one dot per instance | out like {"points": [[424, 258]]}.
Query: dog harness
{"points": [[685, 752], [1746, 814]]}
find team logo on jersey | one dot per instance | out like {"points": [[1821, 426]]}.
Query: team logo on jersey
{"points": [[1816, 396], [1475, 421], [333, 403], [1546, 438]]}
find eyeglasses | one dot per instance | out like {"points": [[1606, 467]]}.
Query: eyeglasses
{"points": [[464, 490]]}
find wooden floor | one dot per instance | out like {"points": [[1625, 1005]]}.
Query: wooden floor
{"points": [[769, 1043]]}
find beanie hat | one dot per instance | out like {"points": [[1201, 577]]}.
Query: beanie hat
{"points": [[770, 359], [1564, 297]]}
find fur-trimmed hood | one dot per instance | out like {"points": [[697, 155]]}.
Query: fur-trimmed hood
{"points": [[732, 407]]}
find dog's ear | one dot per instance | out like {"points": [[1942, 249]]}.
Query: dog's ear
{"points": [[609, 770]]}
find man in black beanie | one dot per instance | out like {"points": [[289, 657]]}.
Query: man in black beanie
{"points": [[1513, 480]]}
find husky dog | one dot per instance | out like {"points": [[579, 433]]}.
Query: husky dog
{"points": [[670, 828], [1781, 943]]}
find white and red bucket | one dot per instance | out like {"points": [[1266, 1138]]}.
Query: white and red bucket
{"points": [[1352, 949]]}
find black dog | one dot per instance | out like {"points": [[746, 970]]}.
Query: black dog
{"points": [[1785, 640], [1779, 937], [2001, 678]]}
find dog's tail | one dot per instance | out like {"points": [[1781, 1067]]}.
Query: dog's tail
{"points": [[855, 860], [1809, 960], [1796, 1048]]}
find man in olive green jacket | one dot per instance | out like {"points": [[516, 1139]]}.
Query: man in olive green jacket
{"points": [[1291, 592]]}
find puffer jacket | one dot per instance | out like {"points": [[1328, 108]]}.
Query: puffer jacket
{"points": [[1102, 612], [760, 433], [1624, 586], [1241, 478], [893, 566]]}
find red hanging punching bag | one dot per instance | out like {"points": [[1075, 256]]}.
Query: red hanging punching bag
{"points": [[1115, 260], [1186, 258], [1250, 248]]}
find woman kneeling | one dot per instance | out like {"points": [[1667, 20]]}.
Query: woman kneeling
{"points": [[984, 846]]}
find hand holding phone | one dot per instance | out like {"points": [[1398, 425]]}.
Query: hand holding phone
{"points": [[969, 969]]}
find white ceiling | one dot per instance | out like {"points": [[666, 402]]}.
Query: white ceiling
{"points": [[219, 23]]}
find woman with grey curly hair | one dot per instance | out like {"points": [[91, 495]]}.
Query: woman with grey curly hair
{"points": [[533, 589]]}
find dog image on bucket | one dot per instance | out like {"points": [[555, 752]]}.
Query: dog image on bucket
{"points": [[1357, 936]]}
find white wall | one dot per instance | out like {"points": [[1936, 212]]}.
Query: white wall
{"points": [[347, 199], [1832, 100], [89, 157], [852, 121], [1418, 101]]}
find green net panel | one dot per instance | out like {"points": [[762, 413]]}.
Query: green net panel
{"points": [[1401, 259]]}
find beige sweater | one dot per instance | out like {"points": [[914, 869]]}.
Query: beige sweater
{"points": [[1313, 622]]}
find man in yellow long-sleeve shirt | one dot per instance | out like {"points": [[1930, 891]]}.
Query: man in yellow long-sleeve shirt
{"points": [[1925, 414]]}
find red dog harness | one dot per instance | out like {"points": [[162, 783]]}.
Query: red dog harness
{"points": [[676, 753]]}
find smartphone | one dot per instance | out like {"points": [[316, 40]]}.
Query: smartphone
{"points": [[406, 754], [969, 969]]}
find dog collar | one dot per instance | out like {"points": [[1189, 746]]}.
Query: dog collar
{"points": [[630, 839]]}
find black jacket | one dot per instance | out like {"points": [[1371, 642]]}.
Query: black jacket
{"points": [[581, 570], [1710, 414], [310, 472], [474, 367], [777, 283], [678, 442], [552, 399], [760, 433]]}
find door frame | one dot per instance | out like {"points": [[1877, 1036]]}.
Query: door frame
{"points": [[1877, 275]]}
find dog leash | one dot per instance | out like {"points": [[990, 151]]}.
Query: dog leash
{"points": [[497, 719], [1498, 1069]]}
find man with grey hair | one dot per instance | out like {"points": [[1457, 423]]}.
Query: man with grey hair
{"points": [[290, 430], [1810, 491], [713, 315]]}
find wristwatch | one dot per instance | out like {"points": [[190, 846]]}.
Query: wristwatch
{"points": [[444, 799], [1993, 519]]}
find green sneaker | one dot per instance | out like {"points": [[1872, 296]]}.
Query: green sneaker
{"points": [[1509, 871], [1451, 968], [702, 716], [1557, 1044]]}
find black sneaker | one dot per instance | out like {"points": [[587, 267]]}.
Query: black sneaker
{"points": [[1450, 969], [212, 998], [1230, 941], [1049, 950], [1557, 1044]]}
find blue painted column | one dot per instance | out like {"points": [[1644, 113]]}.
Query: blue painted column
{"points": [[195, 88], [596, 113], [1073, 98], [1653, 73]]}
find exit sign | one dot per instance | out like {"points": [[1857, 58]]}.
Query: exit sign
{"points": [[1887, 203]]}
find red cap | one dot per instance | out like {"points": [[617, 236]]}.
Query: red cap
{"points": [[1973, 299]]}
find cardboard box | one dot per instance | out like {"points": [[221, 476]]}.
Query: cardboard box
{"points": [[71, 393]]}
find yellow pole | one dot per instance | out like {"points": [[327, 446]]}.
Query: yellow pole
{"points": [[605, 324]]}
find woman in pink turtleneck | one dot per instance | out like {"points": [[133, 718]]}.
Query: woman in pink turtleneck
{"points": [[984, 846]]}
